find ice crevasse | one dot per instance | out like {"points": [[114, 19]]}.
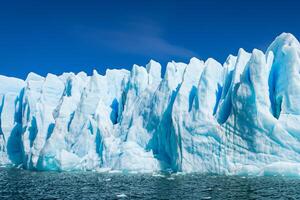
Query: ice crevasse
{"points": [[242, 117]]}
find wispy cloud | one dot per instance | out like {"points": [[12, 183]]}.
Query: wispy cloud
{"points": [[137, 38]]}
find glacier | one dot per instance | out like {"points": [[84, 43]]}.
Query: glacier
{"points": [[240, 117]]}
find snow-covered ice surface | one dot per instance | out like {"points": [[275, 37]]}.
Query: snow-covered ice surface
{"points": [[242, 117]]}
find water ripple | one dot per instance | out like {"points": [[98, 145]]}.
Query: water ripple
{"points": [[22, 184]]}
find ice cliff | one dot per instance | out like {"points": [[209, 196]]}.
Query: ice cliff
{"points": [[242, 117]]}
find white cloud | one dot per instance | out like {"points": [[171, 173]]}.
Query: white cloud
{"points": [[136, 38]]}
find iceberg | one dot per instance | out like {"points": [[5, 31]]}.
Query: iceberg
{"points": [[240, 117]]}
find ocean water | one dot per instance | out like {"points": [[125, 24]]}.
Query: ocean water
{"points": [[22, 184]]}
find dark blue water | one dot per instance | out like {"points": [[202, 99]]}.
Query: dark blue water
{"points": [[22, 184]]}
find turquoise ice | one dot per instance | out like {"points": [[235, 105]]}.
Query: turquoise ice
{"points": [[242, 117]]}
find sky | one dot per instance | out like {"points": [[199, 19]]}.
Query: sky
{"points": [[56, 36]]}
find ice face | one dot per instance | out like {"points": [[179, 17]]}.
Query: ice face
{"points": [[241, 117]]}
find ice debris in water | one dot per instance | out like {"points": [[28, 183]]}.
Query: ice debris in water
{"points": [[121, 195], [241, 117]]}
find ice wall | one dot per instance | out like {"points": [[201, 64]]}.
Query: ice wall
{"points": [[241, 117]]}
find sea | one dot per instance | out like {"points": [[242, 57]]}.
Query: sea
{"points": [[23, 184]]}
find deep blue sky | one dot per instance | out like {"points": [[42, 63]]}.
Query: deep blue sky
{"points": [[69, 35]]}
